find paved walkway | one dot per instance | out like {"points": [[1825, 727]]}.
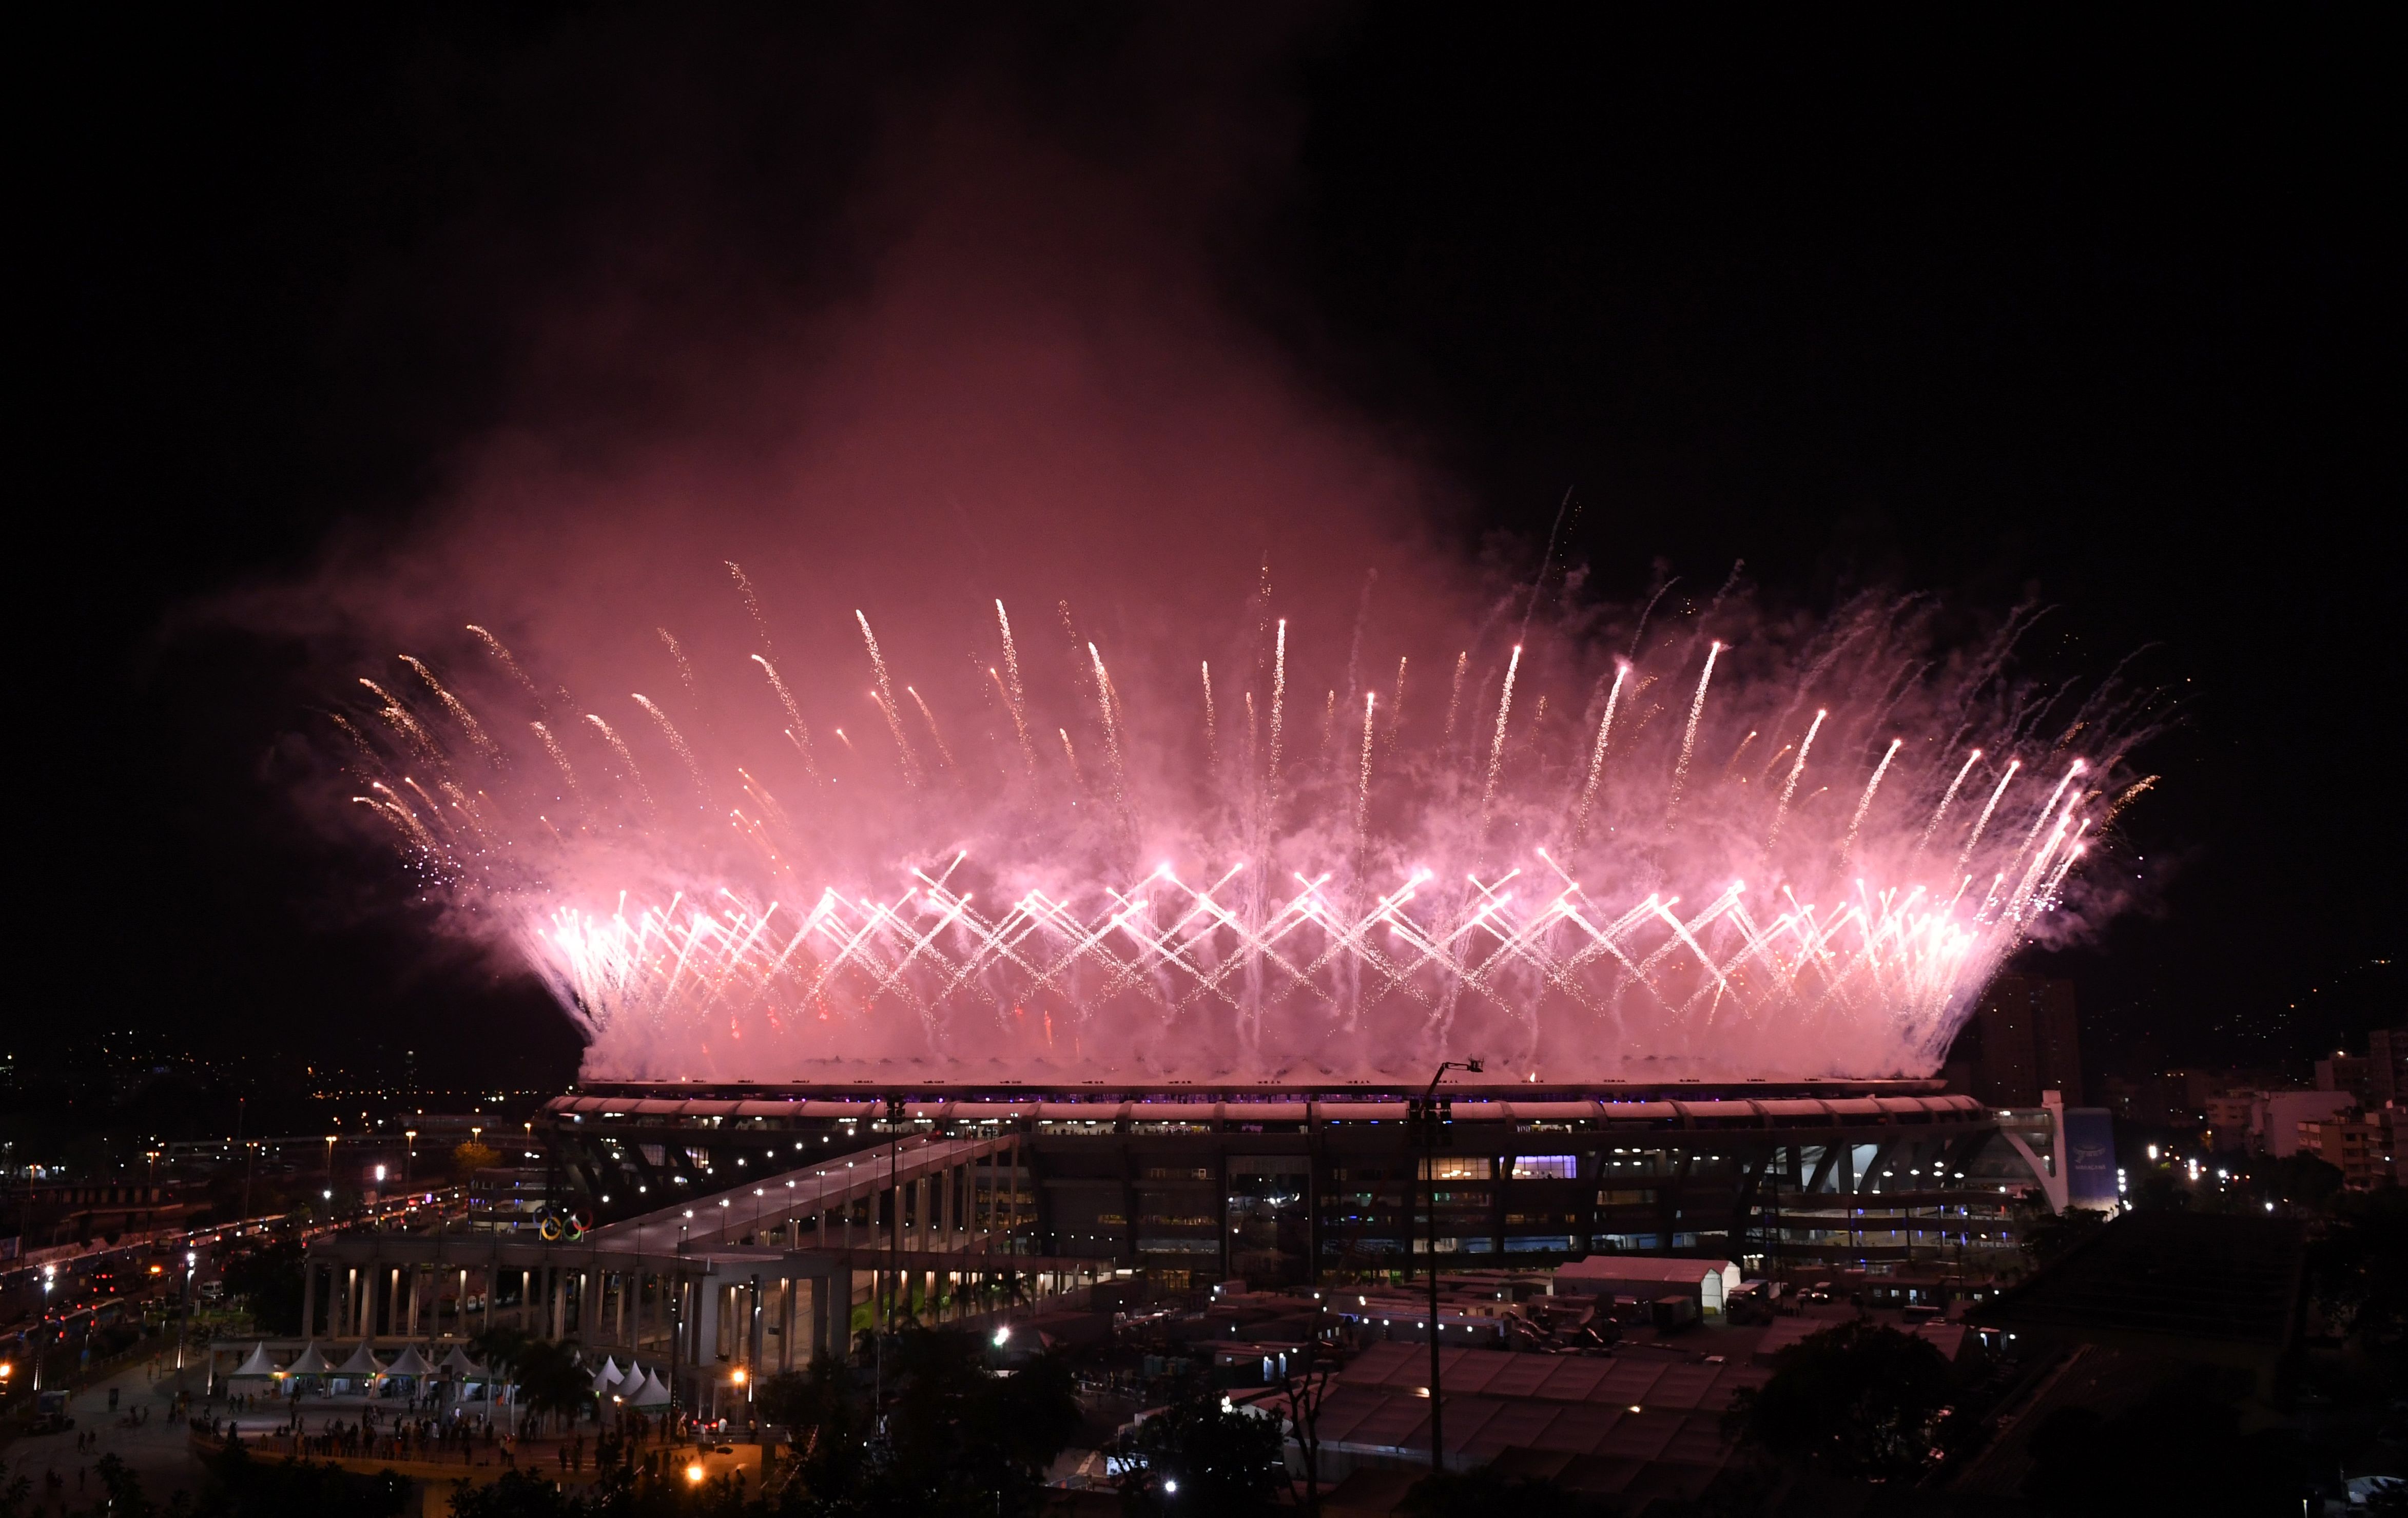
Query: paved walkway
{"points": [[156, 1450]]}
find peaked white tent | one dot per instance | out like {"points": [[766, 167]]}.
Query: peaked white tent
{"points": [[256, 1364], [362, 1363], [411, 1362], [458, 1364], [650, 1391], [310, 1363], [607, 1379]]}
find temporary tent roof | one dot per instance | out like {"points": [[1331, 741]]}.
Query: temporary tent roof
{"points": [[257, 1364], [608, 1379], [310, 1363], [411, 1362], [652, 1393], [361, 1363], [1650, 1276], [458, 1364]]}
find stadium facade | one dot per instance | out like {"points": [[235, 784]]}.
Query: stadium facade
{"points": [[1195, 1185]]}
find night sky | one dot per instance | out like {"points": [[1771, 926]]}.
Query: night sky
{"points": [[2105, 320]]}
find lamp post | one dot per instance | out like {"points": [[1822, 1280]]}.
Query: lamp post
{"points": [[50, 1278], [1429, 1122], [192, 1262]]}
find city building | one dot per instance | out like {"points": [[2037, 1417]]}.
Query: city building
{"points": [[2386, 1067], [2024, 1038], [2351, 1073], [2358, 1147], [2276, 1117]]}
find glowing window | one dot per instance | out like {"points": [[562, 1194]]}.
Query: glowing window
{"points": [[1546, 1166]]}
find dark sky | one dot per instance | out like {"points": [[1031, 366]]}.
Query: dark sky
{"points": [[2107, 319]]}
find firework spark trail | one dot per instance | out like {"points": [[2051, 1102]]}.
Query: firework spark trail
{"points": [[678, 744], [359, 740], [800, 731], [1363, 789], [752, 606], [1865, 802], [1732, 763], [510, 666], [560, 757], [1018, 697], [1078, 776], [1796, 767], [1984, 821], [1497, 746], [1597, 753], [934, 736], [626, 759], [1397, 705], [2046, 807], [1113, 743], [1689, 734], [398, 716], [1455, 692], [1211, 733], [1278, 701], [886, 703], [468, 723], [1947, 796], [2066, 862], [1328, 720], [685, 666]]}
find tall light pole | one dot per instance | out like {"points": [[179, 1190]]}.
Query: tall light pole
{"points": [[241, 1107], [1430, 1119], [50, 1278], [192, 1262]]}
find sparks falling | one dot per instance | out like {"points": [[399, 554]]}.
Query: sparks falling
{"points": [[690, 890]]}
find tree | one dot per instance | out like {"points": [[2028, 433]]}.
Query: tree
{"points": [[2050, 1237], [1485, 1494], [1856, 1401], [2301, 1179], [823, 1416], [269, 1279], [549, 1379], [2174, 1451], [470, 1157], [961, 1438], [515, 1494], [498, 1347], [1203, 1456], [236, 1486], [1304, 1386]]}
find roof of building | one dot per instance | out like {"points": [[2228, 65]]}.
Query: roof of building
{"points": [[1630, 1422], [2181, 1277], [1644, 1267]]}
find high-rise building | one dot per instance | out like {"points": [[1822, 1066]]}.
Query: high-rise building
{"points": [[2024, 1038], [2386, 1067], [2346, 1072]]}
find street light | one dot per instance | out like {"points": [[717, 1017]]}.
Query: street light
{"points": [[1429, 1127], [192, 1262]]}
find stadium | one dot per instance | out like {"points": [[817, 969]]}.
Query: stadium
{"points": [[1193, 1185]]}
